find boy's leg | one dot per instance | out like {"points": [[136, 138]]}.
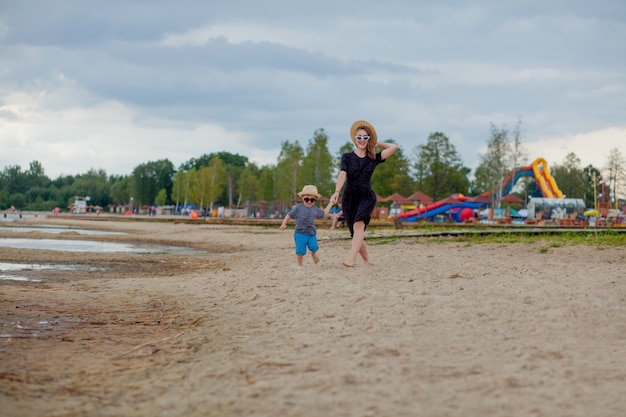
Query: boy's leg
{"points": [[313, 247], [301, 242]]}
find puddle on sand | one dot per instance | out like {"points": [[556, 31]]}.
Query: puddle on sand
{"points": [[18, 278], [16, 268], [27, 329], [92, 246]]}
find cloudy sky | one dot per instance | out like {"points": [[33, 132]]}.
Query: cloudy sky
{"points": [[114, 84]]}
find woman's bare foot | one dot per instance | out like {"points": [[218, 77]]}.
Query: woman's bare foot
{"points": [[316, 258], [348, 264]]}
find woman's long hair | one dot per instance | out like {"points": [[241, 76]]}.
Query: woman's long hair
{"points": [[371, 146]]}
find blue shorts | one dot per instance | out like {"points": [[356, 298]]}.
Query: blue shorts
{"points": [[303, 241]]}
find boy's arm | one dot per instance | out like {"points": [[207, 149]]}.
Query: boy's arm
{"points": [[283, 225]]}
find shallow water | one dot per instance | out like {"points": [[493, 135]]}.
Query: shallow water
{"points": [[4, 277], [58, 230], [26, 329], [9, 217], [8, 266], [91, 246], [19, 267]]}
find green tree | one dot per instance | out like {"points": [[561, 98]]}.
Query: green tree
{"points": [[40, 199], [14, 180], [161, 198], [519, 156], [570, 177], [288, 171], [178, 187], [227, 158], [25, 189], [393, 175], [439, 169], [36, 176], [317, 164], [345, 148], [232, 163], [267, 189], [211, 181], [495, 163], [191, 188], [615, 174], [148, 178], [95, 185], [18, 200], [233, 172], [594, 185], [248, 183], [119, 189]]}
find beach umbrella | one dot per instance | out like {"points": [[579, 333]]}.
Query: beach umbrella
{"points": [[511, 198], [482, 198], [450, 200], [421, 197], [398, 199], [508, 199]]}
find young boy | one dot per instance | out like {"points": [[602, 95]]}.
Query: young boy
{"points": [[305, 214]]}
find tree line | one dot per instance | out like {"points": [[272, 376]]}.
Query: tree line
{"points": [[225, 179]]}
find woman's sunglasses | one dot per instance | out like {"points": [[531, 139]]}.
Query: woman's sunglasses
{"points": [[309, 200], [362, 137]]}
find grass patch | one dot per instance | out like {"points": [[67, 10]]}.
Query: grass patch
{"points": [[602, 238], [384, 240]]}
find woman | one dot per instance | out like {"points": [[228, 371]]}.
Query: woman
{"points": [[359, 200]]}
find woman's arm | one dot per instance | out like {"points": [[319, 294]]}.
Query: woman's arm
{"points": [[388, 149], [341, 180]]}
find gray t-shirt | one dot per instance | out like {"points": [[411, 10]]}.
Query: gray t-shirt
{"points": [[305, 218]]}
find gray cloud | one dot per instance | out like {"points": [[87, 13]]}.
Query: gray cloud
{"points": [[152, 70]]}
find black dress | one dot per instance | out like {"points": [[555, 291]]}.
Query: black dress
{"points": [[359, 200]]}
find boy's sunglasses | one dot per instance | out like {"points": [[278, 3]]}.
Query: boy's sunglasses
{"points": [[362, 137], [309, 200]]}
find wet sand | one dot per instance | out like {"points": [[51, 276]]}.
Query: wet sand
{"points": [[432, 327]]}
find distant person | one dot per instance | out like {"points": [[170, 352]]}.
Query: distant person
{"points": [[359, 200], [337, 216], [305, 213]]}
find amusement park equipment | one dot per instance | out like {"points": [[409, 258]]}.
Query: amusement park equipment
{"points": [[540, 172]]}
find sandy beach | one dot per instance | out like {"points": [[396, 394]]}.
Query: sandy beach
{"points": [[431, 327]]}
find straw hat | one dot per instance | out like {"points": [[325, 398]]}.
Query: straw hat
{"points": [[364, 124], [309, 190]]}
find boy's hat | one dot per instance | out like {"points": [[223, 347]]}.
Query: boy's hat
{"points": [[309, 190], [365, 125]]}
